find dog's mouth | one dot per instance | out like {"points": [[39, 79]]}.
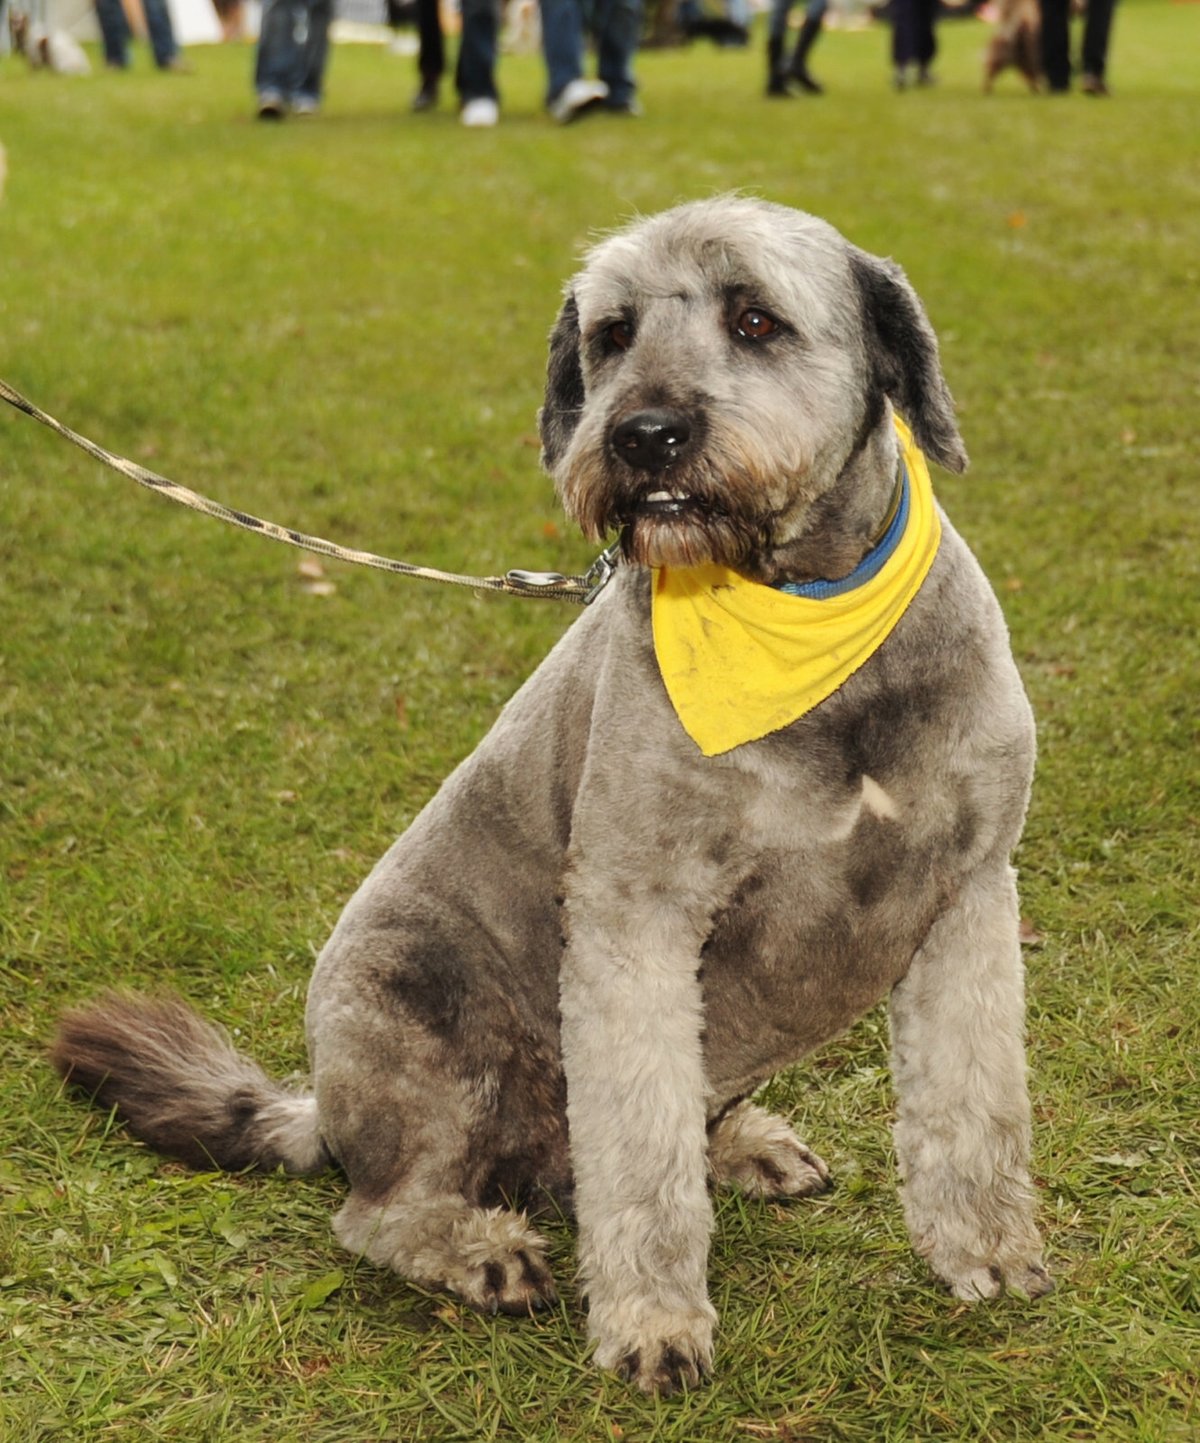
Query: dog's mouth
{"points": [[665, 526], [668, 506]]}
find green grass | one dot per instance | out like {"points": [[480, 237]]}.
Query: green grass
{"points": [[341, 325]]}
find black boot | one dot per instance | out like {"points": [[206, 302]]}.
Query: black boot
{"points": [[807, 39], [777, 81]]}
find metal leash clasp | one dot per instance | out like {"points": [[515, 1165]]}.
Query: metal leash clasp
{"points": [[601, 572], [583, 589]]}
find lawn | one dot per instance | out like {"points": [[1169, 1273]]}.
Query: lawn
{"points": [[340, 324]]}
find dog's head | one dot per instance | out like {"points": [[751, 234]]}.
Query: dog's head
{"points": [[721, 373]]}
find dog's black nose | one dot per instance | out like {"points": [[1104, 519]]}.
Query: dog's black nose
{"points": [[652, 440]]}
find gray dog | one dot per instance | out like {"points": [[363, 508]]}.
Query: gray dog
{"points": [[571, 973]]}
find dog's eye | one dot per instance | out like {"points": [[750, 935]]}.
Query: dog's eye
{"points": [[620, 334], [754, 325]]}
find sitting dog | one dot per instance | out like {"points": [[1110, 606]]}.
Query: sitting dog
{"points": [[773, 774], [1016, 41]]}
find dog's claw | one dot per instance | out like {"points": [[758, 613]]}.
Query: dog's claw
{"points": [[519, 1284], [669, 1370]]}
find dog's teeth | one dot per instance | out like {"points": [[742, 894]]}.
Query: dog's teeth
{"points": [[662, 496]]}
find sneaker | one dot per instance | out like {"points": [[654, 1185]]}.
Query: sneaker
{"points": [[1092, 85], [630, 107], [271, 105], [306, 105], [576, 98], [480, 113]]}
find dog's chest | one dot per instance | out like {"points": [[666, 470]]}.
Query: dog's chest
{"points": [[852, 844]]}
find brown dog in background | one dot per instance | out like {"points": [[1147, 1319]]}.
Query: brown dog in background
{"points": [[1017, 41]]}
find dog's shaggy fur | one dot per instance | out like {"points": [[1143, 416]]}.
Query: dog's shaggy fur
{"points": [[1016, 41], [574, 969]]}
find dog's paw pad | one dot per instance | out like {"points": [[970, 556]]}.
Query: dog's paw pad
{"points": [[520, 1283], [500, 1264], [664, 1369], [660, 1351]]}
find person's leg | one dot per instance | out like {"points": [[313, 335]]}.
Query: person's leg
{"points": [[476, 71], [562, 44], [162, 35], [114, 32], [431, 54], [618, 29], [904, 49], [1096, 29], [776, 35], [1056, 49], [313, 56], [814, 18], [924, 38], [279, 57]]}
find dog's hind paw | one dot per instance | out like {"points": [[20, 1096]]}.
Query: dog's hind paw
{"points": [[500, 1264], [760, 1154]]}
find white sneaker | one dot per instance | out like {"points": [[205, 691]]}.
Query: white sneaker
{"points": [[481, 112], [576, 97]]}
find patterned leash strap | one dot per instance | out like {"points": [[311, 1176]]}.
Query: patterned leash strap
{"points": [[548, 584]]}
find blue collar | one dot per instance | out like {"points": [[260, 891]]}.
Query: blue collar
{"points": [[871, 563]]}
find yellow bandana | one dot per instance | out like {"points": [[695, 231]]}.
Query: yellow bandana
{"points": [[740, 660]]}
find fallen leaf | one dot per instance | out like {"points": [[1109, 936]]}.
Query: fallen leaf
{"points": [[320, 1289]]}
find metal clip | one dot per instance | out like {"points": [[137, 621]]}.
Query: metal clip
{"points": [[534, 580], [601, 572]]}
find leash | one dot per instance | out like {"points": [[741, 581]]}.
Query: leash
{"points": [[548, 584]]}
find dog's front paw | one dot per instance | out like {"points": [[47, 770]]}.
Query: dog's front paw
{"points": [[760, 1154], [666, 1353], [978, 1284]]}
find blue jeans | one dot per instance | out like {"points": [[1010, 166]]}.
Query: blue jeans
{"points": [[616, 25], [781, 9], [115, 32], [293, 46], [475, 75]]}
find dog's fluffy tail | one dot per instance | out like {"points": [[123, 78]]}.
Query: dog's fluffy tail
{"points": [[178, 1084]]}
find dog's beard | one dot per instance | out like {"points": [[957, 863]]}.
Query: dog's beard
{"points": [[689, 535], [685, 515]]}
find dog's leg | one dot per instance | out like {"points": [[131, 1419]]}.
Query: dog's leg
{"points": [[759, 1153], [962, 1129], [631, 1036]]}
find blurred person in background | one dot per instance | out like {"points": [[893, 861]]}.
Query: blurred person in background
{"points": [[289, 64], [115, 33], [780, 72], [1056, 45]]}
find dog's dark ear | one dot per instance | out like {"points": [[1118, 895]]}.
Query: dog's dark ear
{"points": [[564, 386], [903, 351]]}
